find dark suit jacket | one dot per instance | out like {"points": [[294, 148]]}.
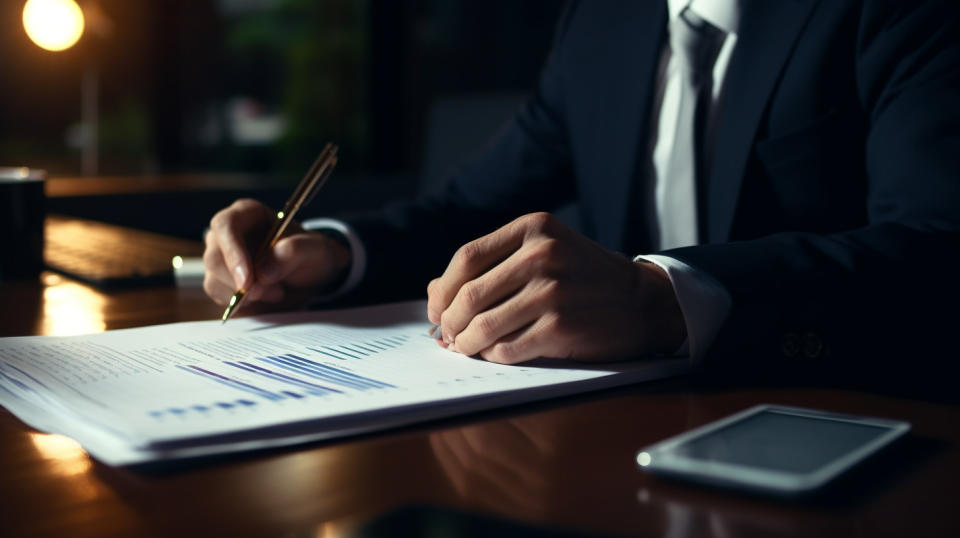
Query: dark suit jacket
{"points": [[832, 207]]}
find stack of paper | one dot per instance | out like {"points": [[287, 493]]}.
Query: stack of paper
{"points": [[199, 388]]}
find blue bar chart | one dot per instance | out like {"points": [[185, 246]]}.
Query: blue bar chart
{"points": [[361, 350], [310, 388], [232, 383], [225, 404], [315, 370], [287, 377]]}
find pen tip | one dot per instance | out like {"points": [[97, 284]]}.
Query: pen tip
{"points": [[232, 305]]}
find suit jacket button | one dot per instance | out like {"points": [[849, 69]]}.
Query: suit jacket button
{"points": [[791, 345], [812, 346]]}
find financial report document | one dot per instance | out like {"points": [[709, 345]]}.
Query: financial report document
{"points": [[199, 388]]}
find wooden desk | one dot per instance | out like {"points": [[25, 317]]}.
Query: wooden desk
{"points": [[566, 464]]}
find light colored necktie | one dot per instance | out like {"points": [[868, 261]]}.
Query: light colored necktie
{"points": [[695, 44]]}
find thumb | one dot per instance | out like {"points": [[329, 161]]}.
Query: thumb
{"points": [[303, 261]]}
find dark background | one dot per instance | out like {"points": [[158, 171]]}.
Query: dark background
{"points": [[177, 77]]}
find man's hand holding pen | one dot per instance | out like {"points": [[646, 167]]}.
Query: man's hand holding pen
{"points": [[299, 266], [535, 288], [284, 270]]}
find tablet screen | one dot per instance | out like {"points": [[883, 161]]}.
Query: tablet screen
{"points": [[781, 442]]}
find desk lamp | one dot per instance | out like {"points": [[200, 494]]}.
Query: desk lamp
{"points": [[57, 25], [53, 25]]}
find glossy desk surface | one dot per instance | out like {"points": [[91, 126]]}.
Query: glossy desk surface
{"points": [[566, 464]]}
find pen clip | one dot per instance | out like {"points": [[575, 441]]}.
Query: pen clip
{"points": [[306, 191]]}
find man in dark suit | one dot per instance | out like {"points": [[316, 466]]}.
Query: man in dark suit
{"points": [[825, 220]]}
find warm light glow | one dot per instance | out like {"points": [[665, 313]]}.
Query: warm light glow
{"points": [[280, 215], [71, 308], [643, 459], [70, 458], [53, 24], [177, 262]]}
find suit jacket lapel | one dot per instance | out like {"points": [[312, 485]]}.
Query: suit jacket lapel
{"points": [[768, 31], [623, 60]]}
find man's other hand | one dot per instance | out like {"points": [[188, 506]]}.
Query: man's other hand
{"points": [[300, 265], [535, 288]]}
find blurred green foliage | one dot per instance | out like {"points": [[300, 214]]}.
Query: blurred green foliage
{"points": [[125, 134], [309, 59]]}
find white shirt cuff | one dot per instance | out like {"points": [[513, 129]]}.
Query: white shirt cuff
{"points": [[704, 302], [358, 255]]}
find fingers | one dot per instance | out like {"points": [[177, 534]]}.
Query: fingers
{"points": [[287, 275], [498, 284], [539, 339], [486, 328], [217, 290], [503, 331], [297, 267], [475, 300], [227, 256], [218, 282], [305, 261], [471, 260], [286, 261], [234, 228]]}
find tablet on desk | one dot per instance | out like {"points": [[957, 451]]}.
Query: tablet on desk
{"points": [[773, 449]]}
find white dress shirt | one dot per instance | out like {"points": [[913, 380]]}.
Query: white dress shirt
{"points": [[704, 302], [358, 254], [723, 14]]}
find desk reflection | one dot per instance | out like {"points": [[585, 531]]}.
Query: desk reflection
{"points": [[54, 305], [70, 308], [66, 456], [507, 466], [548, 469], [688, 514], [318, 491]]}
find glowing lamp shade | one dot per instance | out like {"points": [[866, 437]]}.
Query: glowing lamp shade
{"points": [[53, 24]]}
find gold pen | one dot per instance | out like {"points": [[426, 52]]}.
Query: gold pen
{"points": [[303, 195]]}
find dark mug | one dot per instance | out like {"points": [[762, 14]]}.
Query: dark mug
{"points": [[22, 212]]}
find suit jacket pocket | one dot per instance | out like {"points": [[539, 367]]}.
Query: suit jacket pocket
{"points": [[806, 166]]}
